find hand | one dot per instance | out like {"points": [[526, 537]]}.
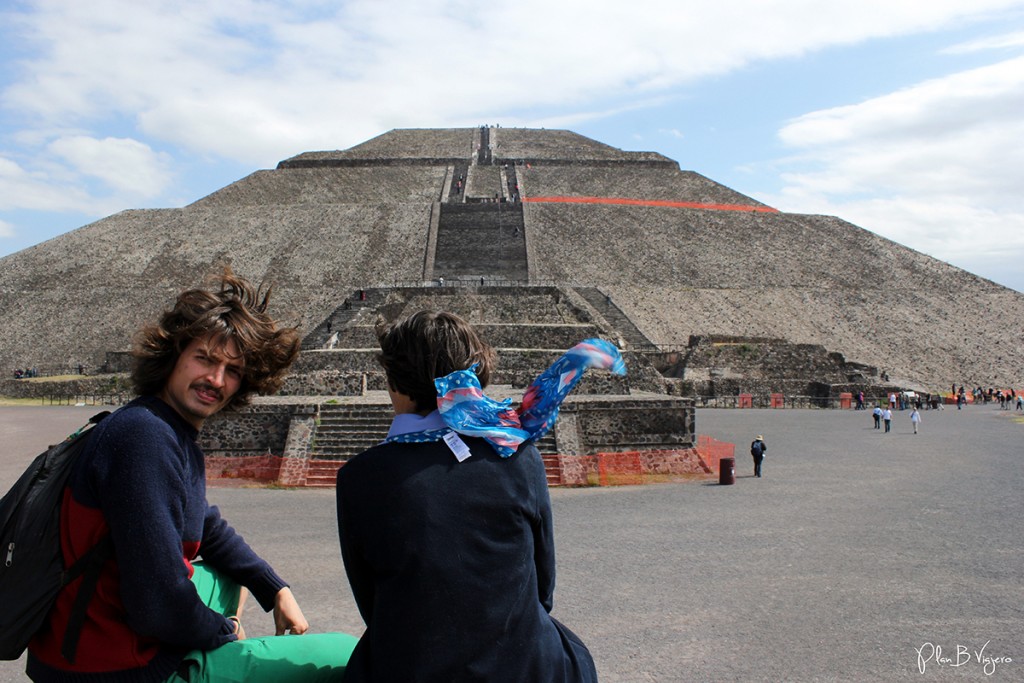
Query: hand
{"points": [[239, 631], [287, 615]]}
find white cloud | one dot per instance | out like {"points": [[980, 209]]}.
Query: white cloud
{"points": [[256, 81], [127, 166], [936, 166], [6, 230], [1000, 42], [21, 189]]}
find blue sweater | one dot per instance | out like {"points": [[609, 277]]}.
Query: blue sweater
{"points": [[142, 479]]}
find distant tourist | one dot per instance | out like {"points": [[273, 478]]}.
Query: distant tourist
{"points": [[758, 448], [915, 418], [877, 415], [887, 418]]}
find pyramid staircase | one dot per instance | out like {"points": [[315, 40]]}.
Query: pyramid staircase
{"points": [[481, 239]]}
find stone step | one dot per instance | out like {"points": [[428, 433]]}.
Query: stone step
{"points": [[335, 432], [330, 431], [335, 418], [322, 474], [552, 469]]}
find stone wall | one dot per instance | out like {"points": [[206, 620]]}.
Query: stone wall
{"points": [[728, 365], [624, 424], [325, 383], [99, 385], [631, 468], [253, 430]]}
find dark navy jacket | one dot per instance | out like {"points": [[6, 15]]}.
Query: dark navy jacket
{"points": [[452, 565]]}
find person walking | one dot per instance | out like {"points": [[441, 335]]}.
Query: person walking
{"points": [[887, 419], [877, 415], [758, 449], [915, 419]]}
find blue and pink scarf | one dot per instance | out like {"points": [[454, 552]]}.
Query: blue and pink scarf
{"points": [[466, 410]]}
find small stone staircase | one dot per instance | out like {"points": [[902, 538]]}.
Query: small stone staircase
{"points": [[346, 430], [322, 474], [618, 320], [338, 320]]}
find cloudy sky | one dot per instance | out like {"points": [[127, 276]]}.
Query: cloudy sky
{"points": [[905, 117]]}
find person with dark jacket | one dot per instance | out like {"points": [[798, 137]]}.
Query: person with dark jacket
{"points": [[166, 604], [446, 538], [758, 448]]}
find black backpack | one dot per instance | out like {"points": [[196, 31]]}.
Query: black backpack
{"points": [[32, 569]]}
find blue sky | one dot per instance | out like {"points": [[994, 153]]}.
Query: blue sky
{"points": [[905, 118]]}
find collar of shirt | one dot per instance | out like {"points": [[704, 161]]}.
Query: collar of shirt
{"points": [[408, 423]]}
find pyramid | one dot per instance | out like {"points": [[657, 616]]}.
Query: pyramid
{"points": [[665, 256]]}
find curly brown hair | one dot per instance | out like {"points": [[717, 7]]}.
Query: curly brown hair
{"points": [[231, 309], [427, 345]]}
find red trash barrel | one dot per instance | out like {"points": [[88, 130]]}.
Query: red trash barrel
{"points": [[727, 471]]}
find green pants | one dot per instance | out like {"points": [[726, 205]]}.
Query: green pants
{"points": [[276, 659]]}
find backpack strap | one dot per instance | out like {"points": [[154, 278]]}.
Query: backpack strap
{"points": [[88, 566]]}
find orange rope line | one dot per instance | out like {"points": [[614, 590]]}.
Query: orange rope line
{"points": [[648, 202]]}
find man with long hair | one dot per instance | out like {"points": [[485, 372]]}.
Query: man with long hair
{"points": [[159, 613]]}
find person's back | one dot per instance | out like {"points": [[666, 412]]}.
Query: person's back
{"points": [[447, 537], [464, 560]]}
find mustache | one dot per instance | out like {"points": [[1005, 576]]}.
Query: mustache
{"points": [[209, 388]]}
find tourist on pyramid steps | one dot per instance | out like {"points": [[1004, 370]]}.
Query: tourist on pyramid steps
{"points": [[915, 419], [758, 449], [446, 527], [876, 414], [159, 613], [887, 419]]}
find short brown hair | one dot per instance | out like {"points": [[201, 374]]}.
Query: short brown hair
{"points": [[427, 345], [232, 309]]}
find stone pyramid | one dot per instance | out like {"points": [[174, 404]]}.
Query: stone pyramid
{"points": [[675, 254]]}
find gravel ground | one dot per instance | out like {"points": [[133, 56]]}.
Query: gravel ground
{"points": [[855, 558]]}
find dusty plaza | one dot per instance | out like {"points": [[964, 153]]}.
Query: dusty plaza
{"points": [[860, 556]]}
